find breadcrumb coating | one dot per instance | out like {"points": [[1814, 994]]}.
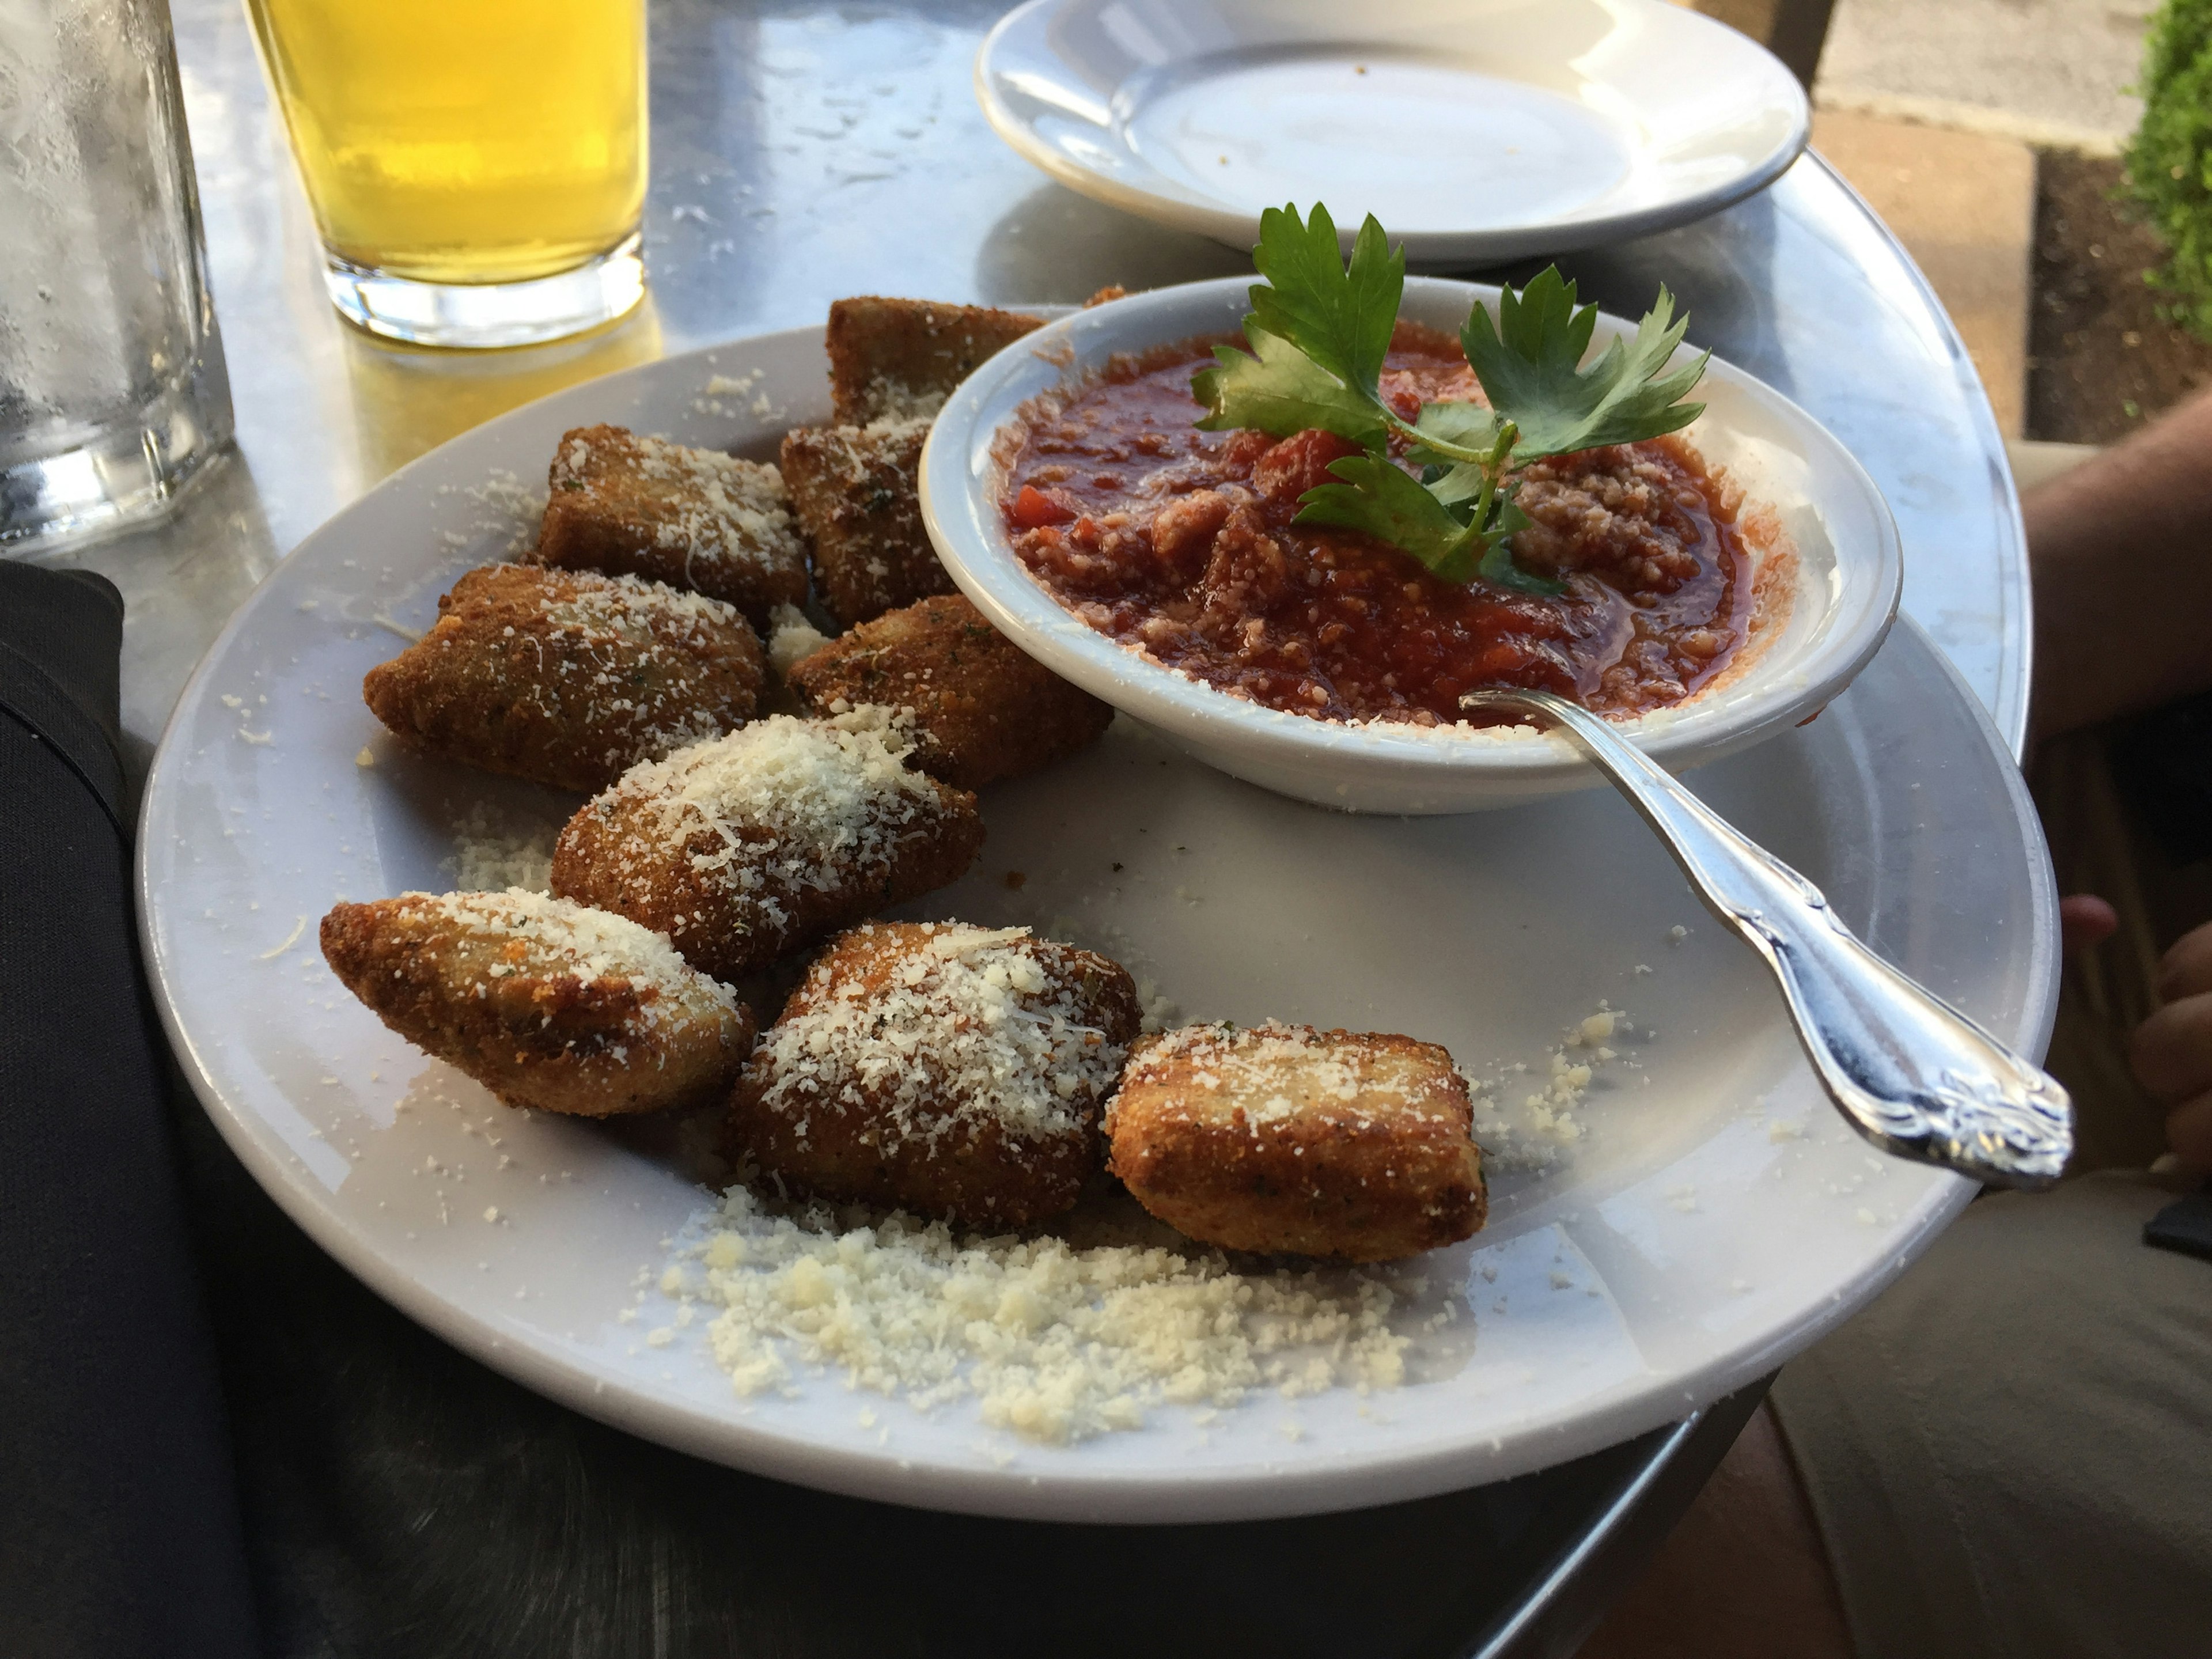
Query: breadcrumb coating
{"points": [[1282, 1137], [569, 678], [856, 491], [624, 503], [547, 1003], [943, 1068], [748, 847], [983, 710]]}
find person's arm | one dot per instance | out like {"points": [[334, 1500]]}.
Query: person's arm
{"points": [[1743, 1576], [2120, 549]]}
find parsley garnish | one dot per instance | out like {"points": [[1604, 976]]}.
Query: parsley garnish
{"points": [[1319, 330]]}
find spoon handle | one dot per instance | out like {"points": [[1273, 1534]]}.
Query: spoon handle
{"points": [[1911, 1073]]}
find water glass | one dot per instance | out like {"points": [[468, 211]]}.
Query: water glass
{"points": [[112, 389]]}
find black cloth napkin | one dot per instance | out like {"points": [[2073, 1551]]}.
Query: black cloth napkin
{"points": [[2185, 1225], [119, 1532]]}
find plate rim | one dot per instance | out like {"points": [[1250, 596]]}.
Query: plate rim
{"points": [[1430, 248], [1246, 1492]]}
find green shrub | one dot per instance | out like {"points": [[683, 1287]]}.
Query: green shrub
{"points": [[2170, 162]]}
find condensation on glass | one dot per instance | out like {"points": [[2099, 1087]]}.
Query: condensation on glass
{"points": [[112, 388]]}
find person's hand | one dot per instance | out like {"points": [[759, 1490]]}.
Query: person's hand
{"points": [[2172, 1051], [2084, 919]]}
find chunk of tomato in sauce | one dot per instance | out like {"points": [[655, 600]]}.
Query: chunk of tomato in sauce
{"points": [[1032, 509], [1299, 463]]}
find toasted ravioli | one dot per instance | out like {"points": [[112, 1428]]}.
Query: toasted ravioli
{"points": [[982, 710], [898, 358], [569, 678], [855, 490], [941, 1068], [692, 518], [545, 1003], [770, 838], [1282, 1138]]}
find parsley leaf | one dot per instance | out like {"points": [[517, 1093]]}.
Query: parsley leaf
{"points": [[1449, 434], [1380, 498], [1320, 332], [1529, 367], [1340, 317], [1497, 568], [1279, 391]]}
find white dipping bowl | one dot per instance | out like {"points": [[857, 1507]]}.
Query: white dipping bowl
{"points": [[1848, 570]]}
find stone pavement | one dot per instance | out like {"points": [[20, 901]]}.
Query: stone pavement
{"points": [[2056, 69], [1963, 205], [1931, 109]]}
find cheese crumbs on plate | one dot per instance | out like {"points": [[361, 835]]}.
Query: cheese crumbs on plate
{"points": [[1533, 1136], [547, 1003], [492, 854], [745, 848], [944, 1069], [1056, 1342]]}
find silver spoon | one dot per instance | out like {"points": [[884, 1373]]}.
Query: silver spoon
{"points": [[1911, 1073]]}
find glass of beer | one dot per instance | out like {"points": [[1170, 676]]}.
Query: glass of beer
{"points": [[477, 167]]}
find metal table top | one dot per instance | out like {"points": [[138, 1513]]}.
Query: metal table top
{"points": [[803, 150]]}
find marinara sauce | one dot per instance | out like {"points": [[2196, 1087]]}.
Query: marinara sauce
{"points": [[1179, 542]]}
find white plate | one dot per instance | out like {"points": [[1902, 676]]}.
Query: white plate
{"points": [[1717, 1217], [1477, 130]]}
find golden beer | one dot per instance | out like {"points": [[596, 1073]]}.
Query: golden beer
{"points": [[464, 141]]}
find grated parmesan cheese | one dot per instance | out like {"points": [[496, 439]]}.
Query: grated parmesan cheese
{"points": [[791, 638], [489, 856], [1057, 1342], [1545, 1125], [890, 404], [972, 1025], [1240, 1062], [856, 451], [711, 507], [644, 612], [791, 803], [562, 938]]}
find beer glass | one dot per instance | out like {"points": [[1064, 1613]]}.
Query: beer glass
{"points": [[477, 167]]}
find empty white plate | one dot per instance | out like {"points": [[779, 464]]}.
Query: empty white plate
{"points": [[1476, 130]]}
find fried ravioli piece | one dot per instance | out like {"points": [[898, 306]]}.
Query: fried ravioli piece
{"points": [[569, 678], [770, 838], [941, 1068], [1282, 1138], [855, 490], [981, 709], [547, 1003], [691, 518], [854, 485], [895, 358]]}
